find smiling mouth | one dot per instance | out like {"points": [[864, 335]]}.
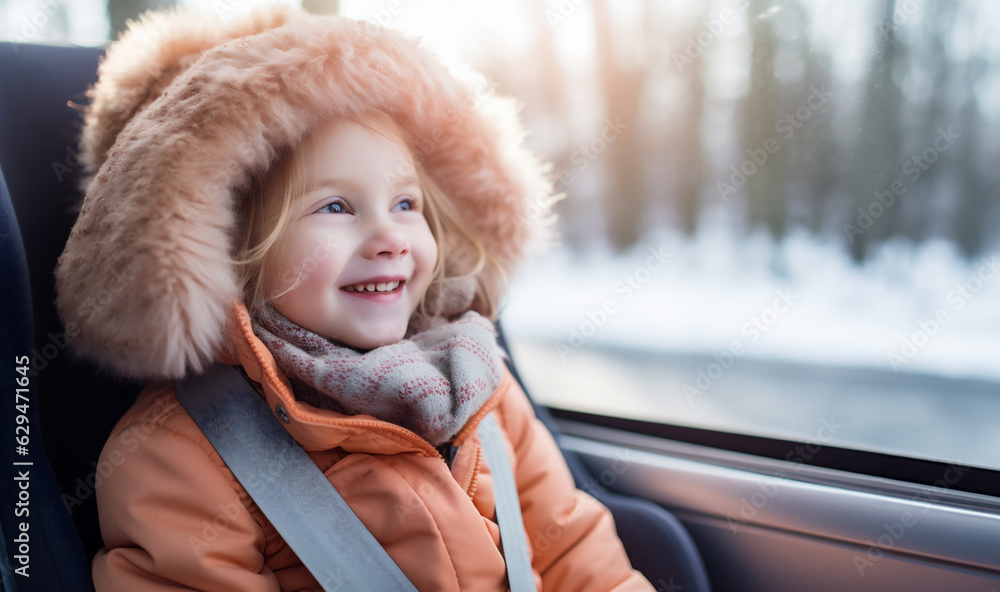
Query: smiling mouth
{"points": [[374, 287]]}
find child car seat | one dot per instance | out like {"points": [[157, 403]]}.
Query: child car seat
{"points": [[73, 406]]}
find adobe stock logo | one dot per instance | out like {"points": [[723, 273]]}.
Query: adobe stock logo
{"points": [[912, 170], [713, 28], [889, 534], [759, 156], [958, 297], [754, 329], [768, 487], [627, 286]]}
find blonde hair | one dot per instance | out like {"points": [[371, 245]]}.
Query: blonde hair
{"points": [[264, 213]]}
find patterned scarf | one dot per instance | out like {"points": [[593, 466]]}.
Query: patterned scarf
{"points": [[431, 383]]}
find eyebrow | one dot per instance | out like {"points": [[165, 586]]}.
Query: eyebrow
{"points": [[401, 181]]}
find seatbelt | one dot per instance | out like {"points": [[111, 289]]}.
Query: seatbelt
{"points": [[312, 517], [512, 537], [286, 484]]}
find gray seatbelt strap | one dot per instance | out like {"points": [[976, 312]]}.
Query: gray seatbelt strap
{"points": [[512, 535], [308, 512], [286, 484]]}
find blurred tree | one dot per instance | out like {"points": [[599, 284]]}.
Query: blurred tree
{"points": [[970, 197], [977, 176], [929, 105], [810, 151], [875, 161], [687, 148], [621, 86], [761, 164], [548, 71], [545, 98], [536, 76]]}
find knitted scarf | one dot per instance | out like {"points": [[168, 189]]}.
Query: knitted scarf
{"points": [[431, 383]]}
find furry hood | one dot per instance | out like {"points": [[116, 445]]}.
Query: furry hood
{"points": [[188, 107]]}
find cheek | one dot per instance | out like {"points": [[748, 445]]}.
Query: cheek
{"points": [[427, 257], [304, 265], [285, 270]]}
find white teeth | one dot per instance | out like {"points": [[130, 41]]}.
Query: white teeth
{"points": [[373, 287]]}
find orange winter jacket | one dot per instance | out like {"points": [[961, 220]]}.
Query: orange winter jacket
{"points": [[173, 517]]}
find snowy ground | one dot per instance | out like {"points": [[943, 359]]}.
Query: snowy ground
{"points": [[904, 352], [919, 310]]}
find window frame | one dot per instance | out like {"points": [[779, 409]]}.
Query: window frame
{"points": [[900, 475]]}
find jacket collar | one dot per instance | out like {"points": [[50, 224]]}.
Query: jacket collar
{"points": [[321, 429]]}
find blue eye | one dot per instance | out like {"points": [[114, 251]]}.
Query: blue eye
{"points": [[406, 205], [335, 207]]}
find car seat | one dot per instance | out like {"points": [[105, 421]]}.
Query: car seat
{"points": [[74, 405]]}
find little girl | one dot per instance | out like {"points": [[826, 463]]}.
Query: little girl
{"points": [[319, 202]]}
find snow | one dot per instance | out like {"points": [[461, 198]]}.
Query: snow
{"points": [[910, 309]]}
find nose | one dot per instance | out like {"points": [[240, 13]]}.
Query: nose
{"points": [[385, 241]]}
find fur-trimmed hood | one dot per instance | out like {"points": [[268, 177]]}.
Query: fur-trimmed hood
{"points": [[188, 106]]}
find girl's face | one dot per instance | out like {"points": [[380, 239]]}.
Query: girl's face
{"points": [[358, 255]]}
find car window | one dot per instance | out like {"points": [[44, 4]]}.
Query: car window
{"points": [[795, 235], [781, 220]]}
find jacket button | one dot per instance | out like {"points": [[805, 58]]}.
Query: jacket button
{"points": [[280, 412]]}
